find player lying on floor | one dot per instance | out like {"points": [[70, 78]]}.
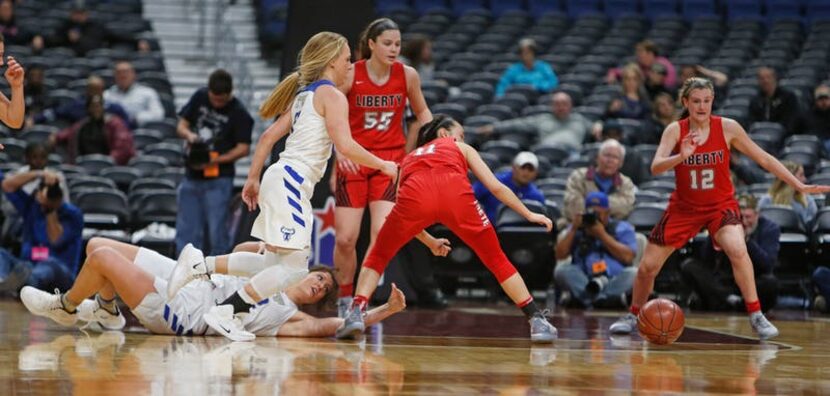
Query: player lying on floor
{"points": [[138, 276]]}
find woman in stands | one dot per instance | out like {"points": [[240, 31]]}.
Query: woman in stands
{"points": [[781, 193], [434, 188], [316, 111], [377, 89], [697, 149], [11, 110]]}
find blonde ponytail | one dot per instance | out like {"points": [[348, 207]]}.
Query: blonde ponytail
{"points": [[281, 97]]}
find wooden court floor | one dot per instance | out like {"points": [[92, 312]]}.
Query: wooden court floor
{"points": [[463, 350]]}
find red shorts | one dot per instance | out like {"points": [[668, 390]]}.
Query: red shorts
{"points": [[356, 190], [681, 222], [426, 199]]}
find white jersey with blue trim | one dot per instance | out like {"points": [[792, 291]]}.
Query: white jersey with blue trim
{"points": [[308, 147]]}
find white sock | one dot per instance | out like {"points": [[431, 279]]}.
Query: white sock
{"points": [[246, 263], [210, 263], [246, 297]]}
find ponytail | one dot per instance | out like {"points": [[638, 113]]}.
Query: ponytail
{"points": [[281, 97]]}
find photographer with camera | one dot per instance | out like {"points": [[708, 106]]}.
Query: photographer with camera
{"points": [[217, 128], [602, 252], [51, 239]]}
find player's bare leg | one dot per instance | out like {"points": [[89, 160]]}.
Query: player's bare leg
{"points": [[654, 257], [347, 229], [731, 239]]}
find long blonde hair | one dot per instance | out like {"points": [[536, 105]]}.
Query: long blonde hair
{"points": [[320, 50], [782, 193]]}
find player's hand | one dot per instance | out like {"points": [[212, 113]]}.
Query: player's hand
{"points": [[14, 73], [346, 165], [688, 146], [250, 193], [541, 220], [440, 247], [815, 189], [390, 169], [397, 301]]}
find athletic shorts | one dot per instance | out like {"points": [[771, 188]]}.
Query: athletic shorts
{"points": [[356, 190], [285, 217], [682, 222]]}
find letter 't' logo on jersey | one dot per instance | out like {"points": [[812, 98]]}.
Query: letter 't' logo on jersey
{"points": [[287, 233]]}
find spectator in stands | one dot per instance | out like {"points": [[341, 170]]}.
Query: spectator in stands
{"points": [[710, 275], [780, 193], [529, 71], [663, 113], [602, 252], [605, 177], [217, 128], [37, 96], [98, 133], [774, 103], [655, 81], [647, 54], [562, 126], [417, 52], [76, 110], [634, 166], [817, 120], [12, 32], [520, 179], [82, 34], [141, 102], [52, 235], [36, 156], [821, 280], [633, 103]]}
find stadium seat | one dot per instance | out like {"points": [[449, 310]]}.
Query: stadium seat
{"points": [[103, 208], [552, 182], [424, 6], [499, 111], [658, 186], [792, 229], [649, 196], [152, 183], [94, 163], [160, 206], [173, 153], [123, 176], [615, 9], [529, 246], [657, 9], [90, 182], [15, 149], [693, 9], [147, 164], [646, 215], [505, 150], [555, 154], [454, 110]]}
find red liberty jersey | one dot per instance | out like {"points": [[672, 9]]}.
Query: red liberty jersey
{"points": [[441, 153], [376, 111], [703, 179]]}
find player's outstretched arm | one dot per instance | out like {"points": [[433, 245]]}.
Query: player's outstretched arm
{"points": [[12, 111], [304, 325], [664, 160], [741, 141], [499, 190]]}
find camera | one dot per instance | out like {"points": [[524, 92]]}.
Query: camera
{"points": [[596, 284], [199, 154], [589, 218]]}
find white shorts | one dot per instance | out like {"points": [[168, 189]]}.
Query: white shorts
{"points": [[285, 218]]}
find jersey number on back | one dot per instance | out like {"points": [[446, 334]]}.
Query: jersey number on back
{"points": [[429, 150], [378, 120], [703, 179]]}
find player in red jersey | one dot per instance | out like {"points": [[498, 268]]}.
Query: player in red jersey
{"points": [[434, 188], [697, 148], [377, 90]]}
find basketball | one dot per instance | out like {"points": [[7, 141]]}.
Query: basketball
{"points": [[660, 321]]}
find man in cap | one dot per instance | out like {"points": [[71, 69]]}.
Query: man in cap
{"points": [[518, 179]]}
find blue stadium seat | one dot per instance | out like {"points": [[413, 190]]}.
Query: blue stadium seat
{"points": [[386, 6], [422, 6], [501, 6], [783, 9], [459, 7], [657, 8], [578, 8], [692, 9], [817, 10], [743, 9], [538, 8], [617, 8]]}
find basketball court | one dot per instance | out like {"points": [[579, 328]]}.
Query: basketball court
{"points": [[467, 349]]}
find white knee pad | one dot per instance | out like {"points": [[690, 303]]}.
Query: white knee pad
{"points": [[246, 263], [291, 267]]}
